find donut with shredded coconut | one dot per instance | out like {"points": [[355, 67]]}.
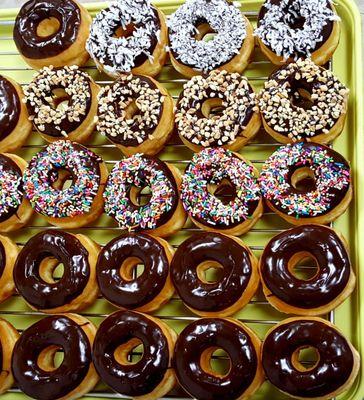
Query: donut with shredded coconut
{"points": [[163, 213], [46, 175], [136, 114], [306, 183], [230, 48], [303, 102], [291, 29], [129, 36], [219, 172], [236, 121]]}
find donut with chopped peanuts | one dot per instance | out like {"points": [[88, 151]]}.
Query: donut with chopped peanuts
{"points": [[231, 47], [62, 103], [306, 183], [163, 215], [130, 36], [303, 102], [288, 30], [49, 170], [136, 114], [236, 122], [216, 171]]}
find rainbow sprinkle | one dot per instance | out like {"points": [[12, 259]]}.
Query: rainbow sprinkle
{"points": [[11, 194], [211, 166]]}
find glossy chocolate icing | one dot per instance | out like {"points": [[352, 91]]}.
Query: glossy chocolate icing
{"points": [[217, 296], [136, 292], [131, 379], [2, 262], [208, 333], [32, 13], [332, 261], [9, 107], [57, 331], [335, 358], [69, 251]]}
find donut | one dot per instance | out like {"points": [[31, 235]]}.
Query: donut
{"points": [[235, 287], [37, 261], [303, 102], [334, 372], [117, 262], [129, 36], [62, 103], [306, 183], [33, 362], [119, 334], [52, 32], [136, 114], [47, 172], [15, 210], [8, 337], [8, 255], [14, 124], [189, 26], [193, 352], [163, 214], [330, 286], [230, 95], [215, 169], [287, 30]]}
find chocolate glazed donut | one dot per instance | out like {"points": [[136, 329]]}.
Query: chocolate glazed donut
{"points": [[236, 286], [193, 352], [33, 358], [333, 282], [334, 372], [9, 107], [149, 378]]}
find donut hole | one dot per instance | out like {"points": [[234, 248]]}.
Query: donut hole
{"points": [[215, 361], [140, 196], [292, 17], [210, 272], [131, 268], [225, 191], [305, 358], [48, 27], [124, 32], [301, 97], [60, 99], [303, 179], [51, 270], [204, 32], [50, 358], [62, 179], [303, 266], [129, 353], [212, 108]]}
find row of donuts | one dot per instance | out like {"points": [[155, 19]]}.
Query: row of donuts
{"points": [[299, 101], [112, 270], [167, 358], [301, 182], [132, 35]]}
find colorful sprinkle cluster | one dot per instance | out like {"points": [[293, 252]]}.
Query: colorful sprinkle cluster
{"points": [[139, 171], [11, 194], [211, 166], [330, 177], [41, 174]]}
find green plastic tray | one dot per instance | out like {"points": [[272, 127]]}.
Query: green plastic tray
{"points": [[259, 315]]}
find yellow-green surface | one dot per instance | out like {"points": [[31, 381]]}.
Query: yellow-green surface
{"points": [[258, 314]]}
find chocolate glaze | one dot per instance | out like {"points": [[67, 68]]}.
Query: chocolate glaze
{"points": [[50, 385], [32, 13], [217, 296], [69, 251], [332, 260], [132, 379], [215, 332], [136, 292], [2, 263], [335, 358], [9, 107]]}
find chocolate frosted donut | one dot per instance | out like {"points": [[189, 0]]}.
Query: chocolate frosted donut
{"points": [[115, 272], [332, 283], [151, 377], [334, 372], [233, 290], [33, 358], [192, 356]]}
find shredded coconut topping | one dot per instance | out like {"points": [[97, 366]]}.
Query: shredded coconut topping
{"points": [[223, 17], [118, 54], [276, 31], [237, 102]]}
